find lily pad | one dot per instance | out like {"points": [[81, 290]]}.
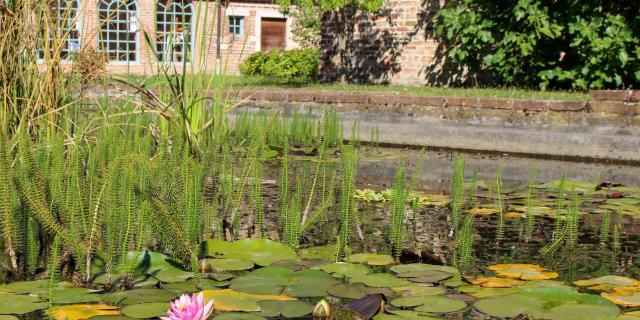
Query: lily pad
{"points": [[262, 252], [190, 286], [238, 316], [229, 264], [326, 253], [523, 271], [73, 295], [344, 269], [36, 286], [230, 300], [372, 259], [410, 315], [381, 280], [455, 281], [139, 296], [348, 291], [495, 282], [82, 311], [146, 310], [554, 303], [287, 309], [440, 304], [420, 290], [624, 296], [278, 280], [18, 304], [606, 283]]}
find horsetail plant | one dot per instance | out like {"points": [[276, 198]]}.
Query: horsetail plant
{"points": [[528, 232], [398, 204], [349, 161]]}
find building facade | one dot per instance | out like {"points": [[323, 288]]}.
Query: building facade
{"points": [[138, 36], [393, 45]]}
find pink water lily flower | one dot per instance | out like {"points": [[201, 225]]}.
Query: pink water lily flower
{"points": [[189, 308]]}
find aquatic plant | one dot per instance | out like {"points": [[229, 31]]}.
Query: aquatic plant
{"points": [[604, 229], [464, 244], [457, 191], [349, 161], [531, 219], [398, 204], [189, 307], [500, 204], [472, 201]]}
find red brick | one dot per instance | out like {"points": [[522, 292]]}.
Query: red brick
{"points": [[609, 95], [635, 96], [406, 100], [570, 106], [462, 102], [354, 98], [327, 97], [496, 103], [431, 101], [386, 99], [612, 107], [531, 105], [301, 96], [276, 95]]}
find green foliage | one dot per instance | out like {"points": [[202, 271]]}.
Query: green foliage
{"points": [[457, 190], [574, 44], [604, 229], [349, 161], [531, 219], [398, 205], [464, 244], [285, 65], [498, 194]]}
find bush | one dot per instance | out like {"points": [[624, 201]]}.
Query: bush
{"points": [[287, 65], [585, 44]]}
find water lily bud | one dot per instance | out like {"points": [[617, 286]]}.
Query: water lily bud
{"points": [[322, 310]]}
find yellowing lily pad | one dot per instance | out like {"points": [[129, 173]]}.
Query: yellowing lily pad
{"points": [[495, 282], [624, 296], [482, 211], [372, 259], [606, 283], [523, 271], [227, 300], [82, 311]]}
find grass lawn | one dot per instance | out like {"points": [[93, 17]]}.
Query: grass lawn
{"points": [[254, 82]]}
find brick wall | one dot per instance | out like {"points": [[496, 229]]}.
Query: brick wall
{"points": [[234, 49], [391, 46]]}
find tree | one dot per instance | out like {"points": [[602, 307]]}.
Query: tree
{"points": [[340, 12]]}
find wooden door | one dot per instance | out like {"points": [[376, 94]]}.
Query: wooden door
{"points": [[274, 34]]}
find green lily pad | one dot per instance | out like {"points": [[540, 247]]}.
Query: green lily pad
{"points": [[19, 304], [220, 276], [278, 280], [262, 252], [146, 310], [454, 281], [554, 303], [344, 269], [287, 309], [409, 315], [139, 296], [440, 304], [73, 295], [420, 290], [190, 286], [326, 253], [238, 316], [36, 286], [606, 283], [7, 317], [348, 291], [383, 280], [146, 263], [229, 264], [372, 259]]}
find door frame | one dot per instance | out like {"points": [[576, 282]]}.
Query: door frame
{"points": [[261, 13]]}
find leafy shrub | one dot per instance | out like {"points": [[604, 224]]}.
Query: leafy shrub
{"points": [[287, 65], [568, 44]]}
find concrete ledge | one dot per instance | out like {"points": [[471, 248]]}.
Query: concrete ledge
{"points": [[605, 128]]}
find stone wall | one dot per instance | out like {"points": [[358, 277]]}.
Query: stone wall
{"points": [[606, 127]]}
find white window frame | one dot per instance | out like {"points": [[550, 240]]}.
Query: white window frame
{"points": [[59, 28], [242, 20], [103, 27], [166, 47]]}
